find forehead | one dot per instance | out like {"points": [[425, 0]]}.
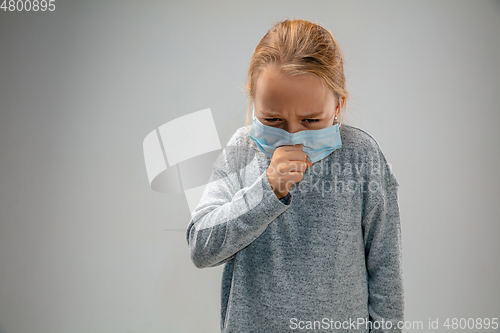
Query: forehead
{"points": [[278, 91]]}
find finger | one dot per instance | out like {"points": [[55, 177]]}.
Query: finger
{"points": [[297, 167], [296, 155], [292, 147]]}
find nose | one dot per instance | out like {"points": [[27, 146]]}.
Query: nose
{"points": [[293, 127]]}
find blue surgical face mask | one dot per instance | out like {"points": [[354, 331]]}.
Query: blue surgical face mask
{"points": [[317, 144]]}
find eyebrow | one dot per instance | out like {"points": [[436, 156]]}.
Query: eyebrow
{"points": [[312, 115], [276, 115]]}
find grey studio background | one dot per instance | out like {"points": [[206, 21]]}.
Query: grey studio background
{"points": [[87, 246]]}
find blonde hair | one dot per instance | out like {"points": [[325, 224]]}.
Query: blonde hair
{"points": [[298, 47]]}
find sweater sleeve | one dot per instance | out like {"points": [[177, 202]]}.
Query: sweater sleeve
{"points": [[382, 241], [286, 199], [383, 254], [236, 207]]}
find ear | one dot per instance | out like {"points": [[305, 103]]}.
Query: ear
{"points": [[338, 108]]}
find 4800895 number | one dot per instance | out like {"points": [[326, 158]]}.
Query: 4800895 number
{"points": [[28, 5], [471, 323]]}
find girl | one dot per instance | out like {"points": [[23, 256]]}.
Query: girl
{"points": [[302, 210]]}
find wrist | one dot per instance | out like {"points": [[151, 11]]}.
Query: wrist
{"points": [[276, 189]]}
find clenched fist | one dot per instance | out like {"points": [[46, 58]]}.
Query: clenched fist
{"points": [[287, 167]]}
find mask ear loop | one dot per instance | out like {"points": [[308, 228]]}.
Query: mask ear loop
{"points": [[253, 111], [340, 113]]}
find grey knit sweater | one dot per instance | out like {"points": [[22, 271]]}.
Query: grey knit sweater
{"points": [[326, 258]]}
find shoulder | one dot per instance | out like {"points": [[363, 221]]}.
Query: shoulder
{"points": [[241, 137], [240, 149], [358, 142], [358, 139]]}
